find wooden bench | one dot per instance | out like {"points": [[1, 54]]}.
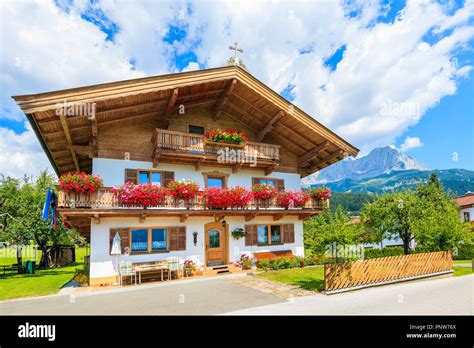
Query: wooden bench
{"points": [[152, 274], [270, 255]]}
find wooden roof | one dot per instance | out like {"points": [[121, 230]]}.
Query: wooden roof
{"points": [[227, 90]]}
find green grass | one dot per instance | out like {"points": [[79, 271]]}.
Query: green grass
{"points": [[460, 271], [43, 282], [309, 278], [461, 261]]}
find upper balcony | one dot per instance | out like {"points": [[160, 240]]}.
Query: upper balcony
{"points": [[179, 147]]}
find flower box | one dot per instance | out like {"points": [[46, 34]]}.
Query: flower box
{"points": [[221, 143], [227, 137], [80, 182], [292, 199]]}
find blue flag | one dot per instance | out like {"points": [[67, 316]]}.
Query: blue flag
{"points": [[47, 205]]}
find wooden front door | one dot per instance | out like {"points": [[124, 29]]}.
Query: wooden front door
{"points": [[215, 244]]}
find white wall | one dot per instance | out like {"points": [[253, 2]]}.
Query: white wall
{"points": [[103, 264], [471, 213], [113, 173]]}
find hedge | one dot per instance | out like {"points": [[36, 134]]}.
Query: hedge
{"points": [[376, 252]]}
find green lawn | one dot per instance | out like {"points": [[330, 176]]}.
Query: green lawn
{"points": [[460, 271], [309, 278], [461, 261], [312, 278], [43, 282]]}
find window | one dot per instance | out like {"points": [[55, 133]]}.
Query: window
{"points": [[262, 234], [215, 179], [278, 184], [269, 234], [215, 182], [139, 241], [149, 177], [196, 129], [158, 239], [270, 182], [467, 216], [275, 233], [148, 240]]}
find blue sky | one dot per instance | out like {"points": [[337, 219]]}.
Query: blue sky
{"points": [[350, 64]]}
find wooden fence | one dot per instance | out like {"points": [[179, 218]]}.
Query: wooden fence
{"points": [[384, 270]]}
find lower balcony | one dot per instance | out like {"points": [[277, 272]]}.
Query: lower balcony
{"points": [[79, 208]]}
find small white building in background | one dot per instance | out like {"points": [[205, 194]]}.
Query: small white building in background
{"points": [[466, 207]]}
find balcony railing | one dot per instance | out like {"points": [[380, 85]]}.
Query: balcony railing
{"points": [[105, 199], [196, 144]]}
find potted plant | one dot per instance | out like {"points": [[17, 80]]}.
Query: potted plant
{"points": [[184, 190], [140, 195], [263, 193], [292, 199], [235, 197], [83, 186], [239, 197], [228, 137], [321, 193], [189, 267], [245, 262], [238, 233]]}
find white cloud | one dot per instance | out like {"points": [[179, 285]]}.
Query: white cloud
{"points": [[46, 48], [21, 153], [411, 143]]}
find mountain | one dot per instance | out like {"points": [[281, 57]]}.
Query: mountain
{"points": [[379, 161], [459, 181]]}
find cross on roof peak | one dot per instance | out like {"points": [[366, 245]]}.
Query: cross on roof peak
{"points": [[236, 48]]}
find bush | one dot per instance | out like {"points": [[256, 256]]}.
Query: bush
{"points": [[464, 252], [384, 252]]}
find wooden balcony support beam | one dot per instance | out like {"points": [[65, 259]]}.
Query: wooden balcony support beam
{"points": [[250, 217], [97, 218], [156, 156], [271, 168], [142, 218], [277, 217], [183, 218], [223, 99], [67, 133], [312, 153], [269, 127], [198, 164], [236, 167], [219, 217]]}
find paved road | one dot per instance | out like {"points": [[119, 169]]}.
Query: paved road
{"points": [[454, 295], [208, 297]]}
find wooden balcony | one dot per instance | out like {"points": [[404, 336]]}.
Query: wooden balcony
{"points": [[103, 203], [178, 147]]}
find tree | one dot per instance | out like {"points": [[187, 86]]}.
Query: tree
{"points": [[428, 216], [391, 216], [331, 229], [439, 226], [24, 202]]}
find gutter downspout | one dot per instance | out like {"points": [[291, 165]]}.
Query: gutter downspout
{"points": [[43, 144]]}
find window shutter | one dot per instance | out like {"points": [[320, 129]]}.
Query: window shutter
{"points": [[182, 238], [177, 237], [167, 177], [288, 233], [279, 184], [131, 176], [124, 239], [255, 181], [251, 235]]}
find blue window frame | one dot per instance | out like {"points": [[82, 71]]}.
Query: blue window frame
{"points": [[140, 241], [159, 240]]}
